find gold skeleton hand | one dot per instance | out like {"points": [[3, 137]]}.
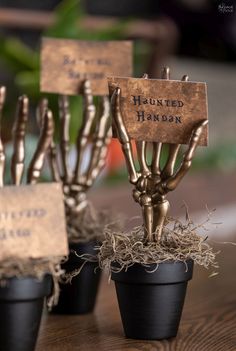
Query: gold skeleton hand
{"points": [[153, 183], [75, 182], [18, 132]]}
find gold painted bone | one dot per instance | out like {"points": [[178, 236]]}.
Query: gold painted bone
{"points": [[151, 183]]}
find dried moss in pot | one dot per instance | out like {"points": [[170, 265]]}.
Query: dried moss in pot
{"points": [[89, 225], [179, 242], [151, 302], [151, 278]]}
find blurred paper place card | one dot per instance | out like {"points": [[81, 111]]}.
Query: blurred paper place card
{"points": [[65, 64], [161, 110], [32, 221]]}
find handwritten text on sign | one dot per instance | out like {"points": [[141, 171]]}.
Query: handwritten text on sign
{"points": [[65, 64], [32, 222], [161, 110]]}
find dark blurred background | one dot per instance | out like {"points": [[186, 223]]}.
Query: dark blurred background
{"points": [[194, 37]]}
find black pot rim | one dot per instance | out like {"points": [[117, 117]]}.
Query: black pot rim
{"points": [[168, 272], [26, 288], [81, 249]]}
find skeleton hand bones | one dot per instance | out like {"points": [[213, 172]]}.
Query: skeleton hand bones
{"points": [[153, 183]]}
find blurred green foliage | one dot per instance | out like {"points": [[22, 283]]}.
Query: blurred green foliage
{"points": [[24, 64]]}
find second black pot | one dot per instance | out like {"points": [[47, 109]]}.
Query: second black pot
{"points": [[151, 303], [79, 296], [21, 306]]}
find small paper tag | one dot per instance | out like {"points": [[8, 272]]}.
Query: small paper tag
{"points": [[65, 64], [32, 221], [161, 110]]}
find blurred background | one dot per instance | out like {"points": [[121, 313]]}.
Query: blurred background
{"points": [[194, 37]]}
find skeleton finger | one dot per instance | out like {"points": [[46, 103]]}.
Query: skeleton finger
{"points": [[168, 170], [52, 158], [64, 135], [102, 159], [52, 152], [157, 147], [2, 153], [141, 147], [85, 130], [172, 182], [40, 111], [185, 78], [18, 132], [156, 158], [44, 143], [123, 136], [99, 141], [165, 73]]}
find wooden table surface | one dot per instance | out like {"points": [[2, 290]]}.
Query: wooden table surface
{"points": [[208, 321], [209, 317]]}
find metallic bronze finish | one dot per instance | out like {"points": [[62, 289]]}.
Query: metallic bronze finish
{"points": [[123, 136], [152, 184], [18, 133], [44, 143], [85, 130], [64, 135], [52, 152], [95, 131], [103, 155], [2, 153], [99, 140]]}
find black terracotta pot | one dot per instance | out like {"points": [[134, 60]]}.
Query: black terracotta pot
{"points": [[79, 296], [151, 303], [21, 306]]}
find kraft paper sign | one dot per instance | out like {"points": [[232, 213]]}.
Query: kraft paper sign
{"points": [[65, 64], [32, 221], [161, 110]]}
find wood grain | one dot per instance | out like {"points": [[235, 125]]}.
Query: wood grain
{"points": [[77, 60], [162, 110], [209, 317], [208, 322]]}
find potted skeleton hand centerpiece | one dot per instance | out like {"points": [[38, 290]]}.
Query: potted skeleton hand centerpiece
{"points": [[84, 224], [152, 264], [24, 283]]}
